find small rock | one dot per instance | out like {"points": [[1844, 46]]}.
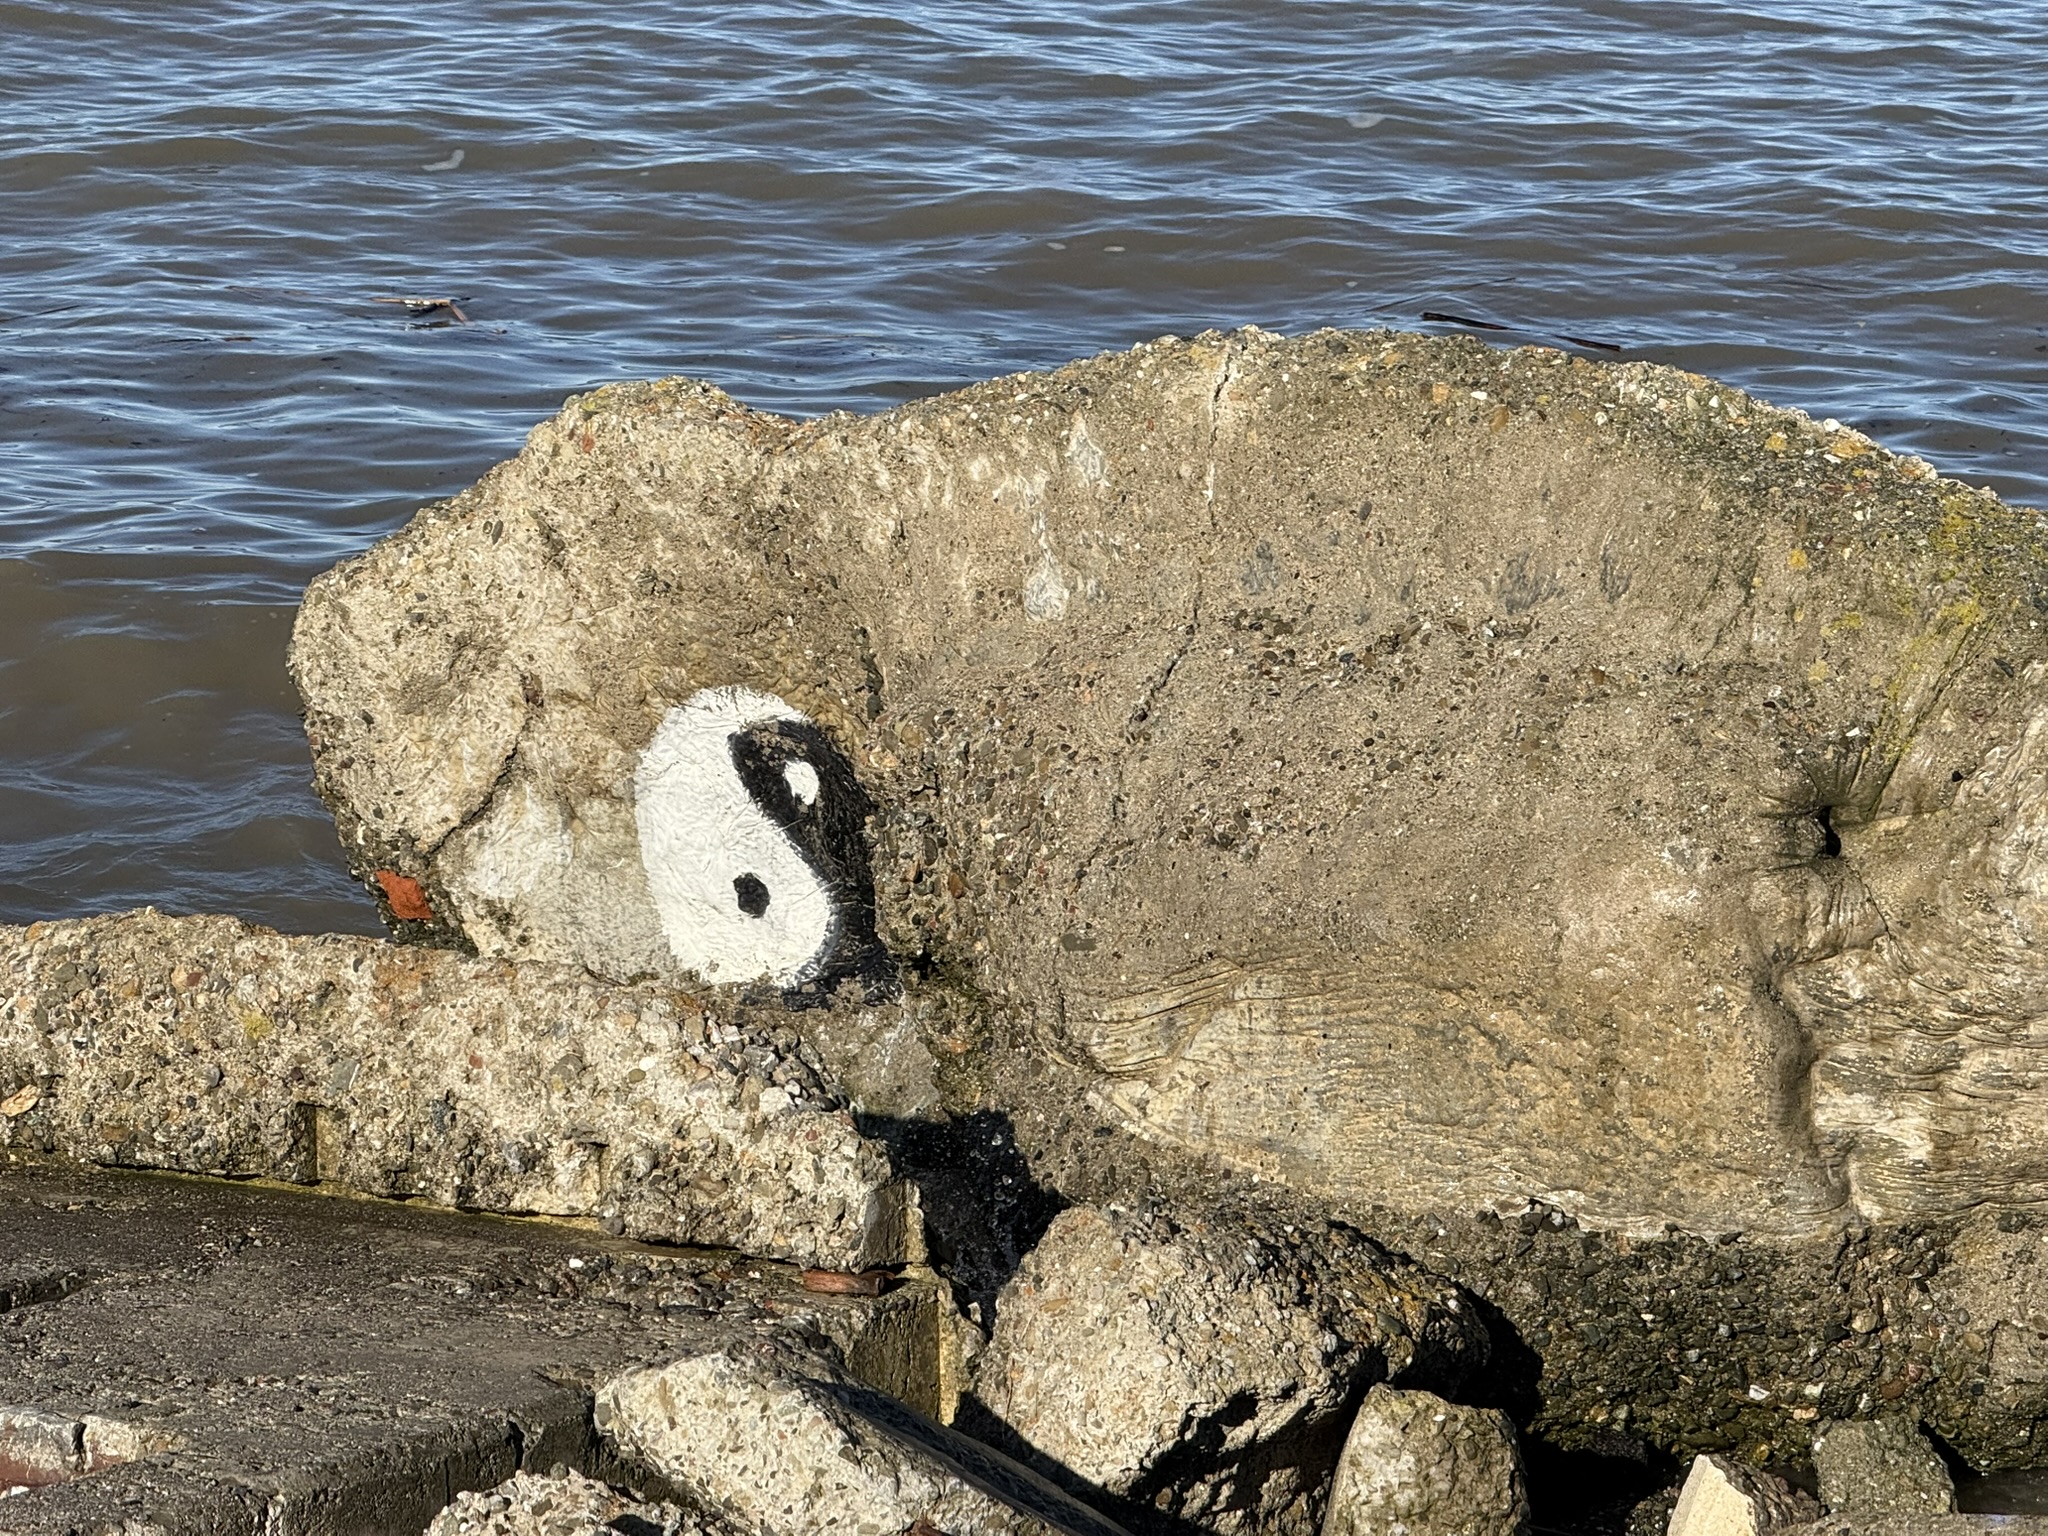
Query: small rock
{"points": [[1415, 1465], [565, 1504], [1881, 1467], [1206, 1370], [1721, 1498], [787, 1445]]}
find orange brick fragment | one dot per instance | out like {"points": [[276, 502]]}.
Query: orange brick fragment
{"points": [[408, 900]]}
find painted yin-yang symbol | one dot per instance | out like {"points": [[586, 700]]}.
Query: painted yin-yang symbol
{"points": [[753, 830]]}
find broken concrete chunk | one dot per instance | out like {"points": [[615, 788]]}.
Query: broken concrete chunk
{"points": [[782, 1444], [1721, 1498], [566, 1503], [203, 1045], [1881, 1467], [1423, 774], [39, 1448], [1416, 1465], [1207, 1372]]}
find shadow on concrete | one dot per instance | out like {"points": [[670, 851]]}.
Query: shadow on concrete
{"points": [[984, 1210]]}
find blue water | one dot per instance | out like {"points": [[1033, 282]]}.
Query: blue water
{"points": [[834, 205]]}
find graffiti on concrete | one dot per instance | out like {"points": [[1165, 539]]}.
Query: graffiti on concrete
{"points": [[753, 830]]}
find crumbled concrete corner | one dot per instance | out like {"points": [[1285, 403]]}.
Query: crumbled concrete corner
{"points": [[1881, 1467], [1200, 1373], [567, 1504], [1416, 1465], [204, 1045], [779, 1442], [1721, 1498]]}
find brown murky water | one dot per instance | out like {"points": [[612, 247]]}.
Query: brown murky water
{"points": [[843, 205]]}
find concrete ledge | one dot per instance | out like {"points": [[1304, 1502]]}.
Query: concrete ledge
{"points": [[268, 1360], [204, 1045]]}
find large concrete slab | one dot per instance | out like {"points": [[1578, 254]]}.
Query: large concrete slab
{"points": [[204, 1356], [206, 1045], [1409, 771]]}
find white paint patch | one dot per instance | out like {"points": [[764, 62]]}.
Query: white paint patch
{"points": [[802, 780], [703, 839]]}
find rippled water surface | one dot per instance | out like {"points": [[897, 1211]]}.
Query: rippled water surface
{"points": [[833, 205]]}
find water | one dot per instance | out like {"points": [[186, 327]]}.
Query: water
{"points": [[825, 205]]}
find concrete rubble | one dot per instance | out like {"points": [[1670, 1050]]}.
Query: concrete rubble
{"points": [[1722, 1498], [1881, 1467], [203, 1045], [780, 1443], [566, 1504], [1267, 917], [1199, 1372], [1434, 734], [1438, 784], [202, 1356], [1416, 1465]]}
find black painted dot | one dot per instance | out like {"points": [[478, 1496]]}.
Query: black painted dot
{"points": [[752, 893]]}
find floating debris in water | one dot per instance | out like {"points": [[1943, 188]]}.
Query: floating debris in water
{"points": [[1477, 325], [429, 307]]}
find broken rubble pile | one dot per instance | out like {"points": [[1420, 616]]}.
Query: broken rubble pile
{"points": [[1202, 1372], [1574, 823], [1881, 1467], [201, 1356], [567, 1504], [1446, 786], [202, 1045]]}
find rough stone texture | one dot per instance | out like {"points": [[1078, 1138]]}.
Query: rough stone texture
{"points": [[234, 1359], [1415, 1465], [1609, 803], [1198, 1372], [1605, 1342], [779, 1443], [1416, 772], [1881, 1467], [204, 1045], [568, 1504], [1721, 1498]]}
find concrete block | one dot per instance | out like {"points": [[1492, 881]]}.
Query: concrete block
{"points": [[203, 1045]]}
